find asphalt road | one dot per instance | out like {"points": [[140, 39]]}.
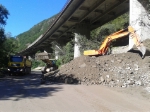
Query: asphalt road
{"points": [[26, 94]]}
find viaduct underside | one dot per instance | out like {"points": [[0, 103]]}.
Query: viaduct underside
{"points": [[79, 17]]}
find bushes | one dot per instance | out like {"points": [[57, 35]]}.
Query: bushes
{"points": [[37, 63], [58, 63], [98, 35], [67, 54]]}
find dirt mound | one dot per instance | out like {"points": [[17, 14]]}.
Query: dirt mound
{"points": [[115, 70], [147, 45]]}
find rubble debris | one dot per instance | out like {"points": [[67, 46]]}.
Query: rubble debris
{"points": [[111, 70]]}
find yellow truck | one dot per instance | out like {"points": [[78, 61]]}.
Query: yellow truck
{"points": [[19, 65]]}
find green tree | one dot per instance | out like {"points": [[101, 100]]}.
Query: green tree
{"points": [[8, 47], [67, 54], [3, 17], [98, 35]]}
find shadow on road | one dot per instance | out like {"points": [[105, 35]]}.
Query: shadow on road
{"points": [[28, 86], [57, 76]]}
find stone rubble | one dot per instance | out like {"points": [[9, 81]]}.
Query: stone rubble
{"points": [[115, 70]]}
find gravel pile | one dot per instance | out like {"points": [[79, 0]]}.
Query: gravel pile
{"points": [[115, 70]]}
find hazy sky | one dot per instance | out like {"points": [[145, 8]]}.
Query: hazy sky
{"points": [[24, 14]]}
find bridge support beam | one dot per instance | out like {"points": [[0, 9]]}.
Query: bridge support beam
{"points": [[139, 19], [56, 52], [80, 31]]}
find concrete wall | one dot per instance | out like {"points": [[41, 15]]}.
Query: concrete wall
{"points": [[139, 19], [77, 46], [82, 29]]}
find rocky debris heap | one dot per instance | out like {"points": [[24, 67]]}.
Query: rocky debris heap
{"points": [[115, 70]]}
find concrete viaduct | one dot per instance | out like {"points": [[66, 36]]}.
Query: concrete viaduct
{"points": [[79, 17]]}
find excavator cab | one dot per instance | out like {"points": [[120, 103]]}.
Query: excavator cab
{"points": [[104, 48]]}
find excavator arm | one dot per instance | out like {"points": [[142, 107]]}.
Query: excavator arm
{"points": [[106, 43]]}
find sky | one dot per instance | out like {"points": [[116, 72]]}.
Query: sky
{"points": [[24, 14]]}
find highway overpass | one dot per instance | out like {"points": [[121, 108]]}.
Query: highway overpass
{"points": [[79, 17]]}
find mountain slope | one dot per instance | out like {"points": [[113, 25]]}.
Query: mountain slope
{"points": [[31, 35]]}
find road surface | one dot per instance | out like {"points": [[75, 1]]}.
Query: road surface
{"points": [[26, 94]]}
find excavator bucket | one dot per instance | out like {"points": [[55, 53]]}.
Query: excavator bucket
{"points": [[142, 49], [136, 39], [91, 52]]}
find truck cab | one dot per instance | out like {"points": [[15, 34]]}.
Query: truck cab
{"points": [[19, 65]]}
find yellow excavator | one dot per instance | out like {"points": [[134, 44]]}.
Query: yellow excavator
{"points": [[50, 63], [104, 48]]}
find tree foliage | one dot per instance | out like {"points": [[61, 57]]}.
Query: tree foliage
{"points": [[98, 35], [10, 46], [37, 63], [67, 54], [7, 48], [3, 17]]}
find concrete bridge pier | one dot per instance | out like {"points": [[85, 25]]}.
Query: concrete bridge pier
{"points": [[57, 45], [140, 19], [57, 50], [56, 54], [81, 30]]}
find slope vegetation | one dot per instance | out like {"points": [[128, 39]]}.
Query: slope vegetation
{"points": [[31, 35]]}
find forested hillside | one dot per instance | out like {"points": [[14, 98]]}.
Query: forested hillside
{"points": [[32, 34]]}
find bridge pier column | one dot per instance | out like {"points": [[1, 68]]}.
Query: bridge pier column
{"points": [[57, 45], [77, 46], [81, 30], [139, 19], [56, 52]]}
